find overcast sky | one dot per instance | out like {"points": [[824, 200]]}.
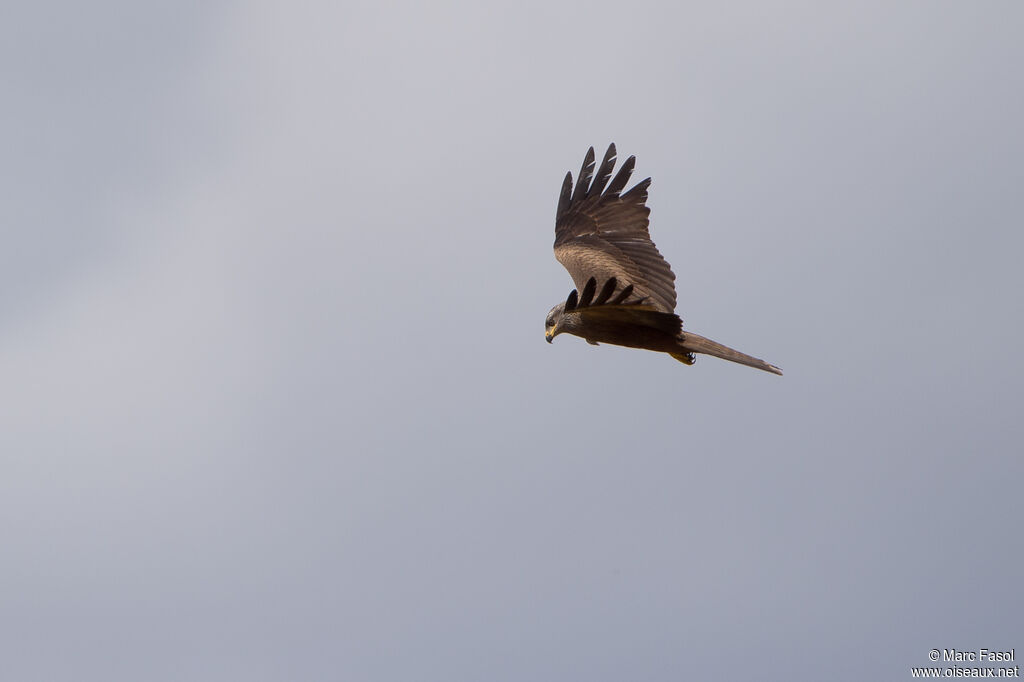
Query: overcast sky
{"points": [[275, 398]]}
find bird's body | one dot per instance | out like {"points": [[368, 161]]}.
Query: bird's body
{"points": [[602, 239], [631, 335]]}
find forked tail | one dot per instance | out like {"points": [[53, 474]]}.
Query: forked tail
{"points": [[695, 343]]}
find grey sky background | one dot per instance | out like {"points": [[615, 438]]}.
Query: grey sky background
{"points": [[275, 394]]}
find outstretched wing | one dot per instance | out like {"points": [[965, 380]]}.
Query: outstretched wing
{"points": [[602, 233]]}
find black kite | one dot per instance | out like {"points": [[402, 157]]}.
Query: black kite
{"points": [[625, 290]]}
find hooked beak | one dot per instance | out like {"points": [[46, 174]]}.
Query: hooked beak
{"points": [[549, 336]]}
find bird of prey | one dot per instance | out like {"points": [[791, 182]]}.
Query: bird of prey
{"points": [[625, 290]]}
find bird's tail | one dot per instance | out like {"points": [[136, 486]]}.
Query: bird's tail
{"points": [[695, 343]]}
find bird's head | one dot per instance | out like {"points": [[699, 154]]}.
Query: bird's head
{"points": [[551, 324]]}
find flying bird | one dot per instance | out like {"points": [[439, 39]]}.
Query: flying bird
{"points": [[625, 290]]}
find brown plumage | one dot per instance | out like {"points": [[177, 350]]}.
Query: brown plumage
{"points": [[628, 289]]}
